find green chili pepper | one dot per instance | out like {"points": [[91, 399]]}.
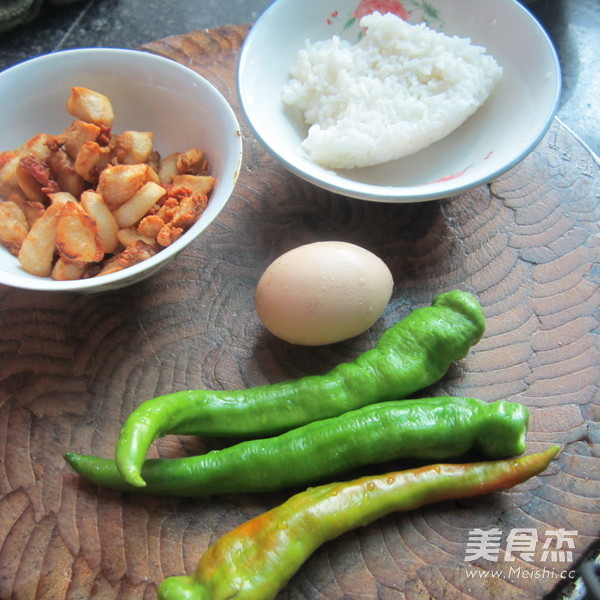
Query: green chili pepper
{"points": [[427, 429], [409, 356], [256, 560]]}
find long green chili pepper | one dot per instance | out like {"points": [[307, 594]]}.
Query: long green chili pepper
{"points": [[409, 356], [427, 429], [257, 559]]}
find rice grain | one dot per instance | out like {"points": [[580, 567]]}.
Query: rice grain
{"points": [[401, 88]]}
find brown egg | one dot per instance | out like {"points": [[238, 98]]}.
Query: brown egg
{"points": [[323, 293]]}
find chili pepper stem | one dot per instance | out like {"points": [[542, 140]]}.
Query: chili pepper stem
{"points": [[255, 560]]}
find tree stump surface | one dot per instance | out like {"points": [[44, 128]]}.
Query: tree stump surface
{"points": [[72, 368]]}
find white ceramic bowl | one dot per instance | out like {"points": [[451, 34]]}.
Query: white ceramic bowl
{"points": [[494, 139], [148, 93]]}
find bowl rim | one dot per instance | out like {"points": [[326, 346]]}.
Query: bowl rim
{"points": [[395, 194], [142, 270]]}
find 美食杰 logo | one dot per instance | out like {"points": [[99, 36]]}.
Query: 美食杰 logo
{"points": [[554, 549]]}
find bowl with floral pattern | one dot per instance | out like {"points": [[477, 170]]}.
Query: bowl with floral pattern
{"points": [[500, 134]]}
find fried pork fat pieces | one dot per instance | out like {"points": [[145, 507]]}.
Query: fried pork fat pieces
{"points": [[88, 202]]}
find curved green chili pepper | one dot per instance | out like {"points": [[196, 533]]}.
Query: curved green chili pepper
{"points": [[409, 356], [256, 560], [427, 429]]}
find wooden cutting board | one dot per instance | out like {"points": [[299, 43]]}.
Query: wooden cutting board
{"points": [[72, 367]]}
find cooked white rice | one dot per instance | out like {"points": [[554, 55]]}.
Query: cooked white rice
{"points": [[401, 88]]}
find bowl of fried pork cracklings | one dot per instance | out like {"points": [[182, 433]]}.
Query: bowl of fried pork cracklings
{"points": [[112, 162], [398, 101]]}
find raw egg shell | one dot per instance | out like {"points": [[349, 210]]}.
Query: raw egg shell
{"points": [[323, 293]]}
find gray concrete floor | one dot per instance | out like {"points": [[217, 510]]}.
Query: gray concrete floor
{"points": [[573, 25]]}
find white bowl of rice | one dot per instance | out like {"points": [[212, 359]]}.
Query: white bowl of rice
{"points": [[398, 101]]}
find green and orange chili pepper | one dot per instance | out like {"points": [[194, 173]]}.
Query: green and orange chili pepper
{"points": [[427, 429], [256, 560], [409, 356]]}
